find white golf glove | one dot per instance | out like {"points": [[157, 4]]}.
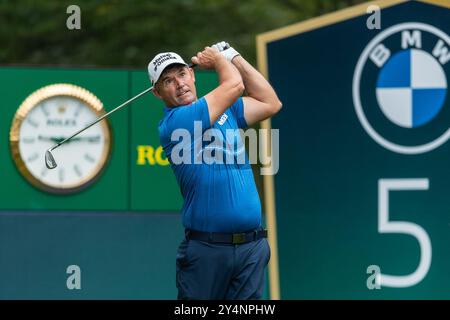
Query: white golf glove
{"points": [[226, 50]]}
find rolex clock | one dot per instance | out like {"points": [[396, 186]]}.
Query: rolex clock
{"points": [[48, 116]]}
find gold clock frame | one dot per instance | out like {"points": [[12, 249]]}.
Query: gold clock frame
{"points": [[44, 93]]}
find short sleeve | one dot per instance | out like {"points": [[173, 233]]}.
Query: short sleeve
{"points": [[238, 111]]}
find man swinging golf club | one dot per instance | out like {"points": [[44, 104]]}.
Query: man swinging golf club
{"points": [[225, 251]]}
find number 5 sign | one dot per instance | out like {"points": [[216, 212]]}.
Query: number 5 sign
{"points": [[402, 227]]}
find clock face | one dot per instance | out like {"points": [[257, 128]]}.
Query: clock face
{"points": [[47, 117]]}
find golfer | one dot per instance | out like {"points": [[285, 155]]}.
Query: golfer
{"points": [[225, 251]]}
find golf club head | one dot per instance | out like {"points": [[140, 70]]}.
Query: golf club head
{"points": [[49, 160]]}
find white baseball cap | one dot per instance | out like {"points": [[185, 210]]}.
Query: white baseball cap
{"points": [[160, 62]]}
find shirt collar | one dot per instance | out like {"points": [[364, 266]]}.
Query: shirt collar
{"points": [[170, 109]]}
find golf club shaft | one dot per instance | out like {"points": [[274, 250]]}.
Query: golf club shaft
{"points": [[102, 117]]}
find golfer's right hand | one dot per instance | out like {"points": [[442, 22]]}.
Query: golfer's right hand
{"points": [[208, 58]]}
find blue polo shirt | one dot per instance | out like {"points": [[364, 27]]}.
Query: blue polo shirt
{"points": [[211, 167]]}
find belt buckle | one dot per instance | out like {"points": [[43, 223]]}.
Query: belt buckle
{"points": [[238, 238]]}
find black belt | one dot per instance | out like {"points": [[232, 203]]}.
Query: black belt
{"points": [[229, 238]]}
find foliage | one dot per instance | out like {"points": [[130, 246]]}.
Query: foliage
{"points": [[129, 33]]}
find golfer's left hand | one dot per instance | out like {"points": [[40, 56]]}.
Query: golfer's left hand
{"points": [[226, 50]]}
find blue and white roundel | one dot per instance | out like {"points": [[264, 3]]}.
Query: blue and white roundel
{"points": [[411, 88]]}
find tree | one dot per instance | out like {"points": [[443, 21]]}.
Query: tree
{"points": [[129, 33]]}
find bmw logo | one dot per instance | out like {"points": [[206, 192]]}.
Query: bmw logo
{"points": [[400, 88]]}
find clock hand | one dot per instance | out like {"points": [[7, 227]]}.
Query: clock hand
{"points": [[89, 139], [53, 139], [45, 138], [59, 139]]}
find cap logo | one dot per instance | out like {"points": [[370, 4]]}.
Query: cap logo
{"points": [[162, 59]]}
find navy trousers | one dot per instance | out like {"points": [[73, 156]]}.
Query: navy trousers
{"points": [[212, 271]]}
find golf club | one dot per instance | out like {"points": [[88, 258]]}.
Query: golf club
{"points": [[50, 160]]}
